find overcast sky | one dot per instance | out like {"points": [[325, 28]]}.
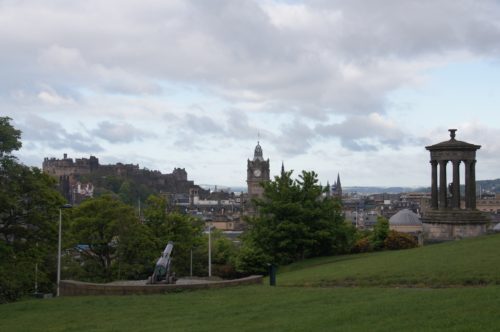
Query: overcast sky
{"points": [[355, 87]]}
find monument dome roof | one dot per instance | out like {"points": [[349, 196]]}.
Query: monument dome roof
{"points": [[453, 144], [405, 218]]}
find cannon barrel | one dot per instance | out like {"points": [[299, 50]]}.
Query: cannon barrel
{"points": [[162, 268]]}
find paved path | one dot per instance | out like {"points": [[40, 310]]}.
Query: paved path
{"points": [[181, 281]]}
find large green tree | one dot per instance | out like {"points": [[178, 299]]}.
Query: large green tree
{"points": [[29, 205], [112, 242], [296, 221]]}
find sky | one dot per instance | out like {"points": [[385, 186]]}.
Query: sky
{"points": [[351, 87]]}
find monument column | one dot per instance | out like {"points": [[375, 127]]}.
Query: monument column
{"points": [[456, 184], [473, 185], [434, 185], [467, 184], [442, 184]]}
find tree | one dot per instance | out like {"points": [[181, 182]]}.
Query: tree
{"points": [[10, 138], [125, 193], [223, 254], [113, 243], [29, 205], [380, 232], [185, 231], [296, 221]]}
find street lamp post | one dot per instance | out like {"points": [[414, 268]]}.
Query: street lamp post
{"points": [[209, 250], [66, 206], [191, 265]]}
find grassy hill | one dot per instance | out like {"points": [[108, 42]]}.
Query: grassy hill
{"points": [[468, 307], [460, 263]]}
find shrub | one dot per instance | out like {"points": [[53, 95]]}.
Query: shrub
{"points": [[252, 260], [225, 271], [362, 245], [396, 240]]}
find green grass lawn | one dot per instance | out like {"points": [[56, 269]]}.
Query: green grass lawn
{"points": [[459, 263], [380, 307], [264, 308]]}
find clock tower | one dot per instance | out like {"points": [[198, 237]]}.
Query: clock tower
{"points": [[257, 172]]}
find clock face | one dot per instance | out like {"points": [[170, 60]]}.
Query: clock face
{"points": [[257, 172]]}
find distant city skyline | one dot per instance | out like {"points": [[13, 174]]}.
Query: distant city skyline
{"points": [[357, 88]]}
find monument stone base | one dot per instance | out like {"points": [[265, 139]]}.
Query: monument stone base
{"points": [[446, 225]]}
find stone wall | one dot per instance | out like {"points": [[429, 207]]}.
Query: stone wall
{"points": [[77, 288]]}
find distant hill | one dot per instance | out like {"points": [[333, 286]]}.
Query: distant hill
{"points": [[378, 190], [484, 186], [488, 186]]}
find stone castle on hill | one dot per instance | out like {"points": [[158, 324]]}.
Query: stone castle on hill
{"points": [[77, 176]]}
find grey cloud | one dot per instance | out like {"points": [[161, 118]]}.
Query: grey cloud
{"points": [[365, 133], [202, 124], [235, 125], [411, 29], [188, 141], [317, 57], [294, 138], [120, 132], [37, 130], [481, 134], [239, 126], [74, 67]]}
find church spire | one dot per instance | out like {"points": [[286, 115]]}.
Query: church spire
{"points": [[282, 168], [338, 187]]}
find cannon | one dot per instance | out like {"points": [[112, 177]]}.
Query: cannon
{"points": [[162, 273]]}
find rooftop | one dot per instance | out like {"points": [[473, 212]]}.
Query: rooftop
{"points": [[405, 217]]}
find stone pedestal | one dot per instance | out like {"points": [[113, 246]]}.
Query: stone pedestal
{"points": [[446, 225]]}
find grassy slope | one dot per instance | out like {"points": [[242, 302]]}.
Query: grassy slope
{"points": [[263, 308], [467, 262], [266, 308]]}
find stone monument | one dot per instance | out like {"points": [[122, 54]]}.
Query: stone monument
{"points": [[447, 219]]}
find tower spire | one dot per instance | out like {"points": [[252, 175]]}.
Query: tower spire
{"points": [[338, 188], [257, 155]]}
